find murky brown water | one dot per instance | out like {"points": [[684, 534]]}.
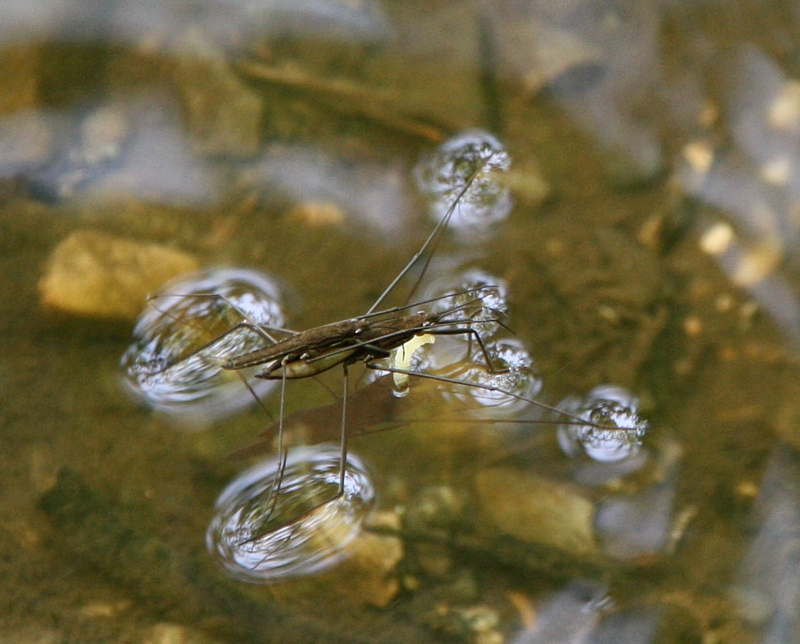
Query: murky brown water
{"points": [[651, 246]]}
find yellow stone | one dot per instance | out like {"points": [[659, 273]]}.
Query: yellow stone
{"points": [[93, 274]]}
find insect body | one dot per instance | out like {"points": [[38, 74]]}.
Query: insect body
{"points": [[366, 339], [316, 350], [374, 335], [282, 355]]}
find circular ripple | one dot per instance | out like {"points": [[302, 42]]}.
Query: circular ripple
{"points": [[262, 532], [189, 329], [616, 431]]}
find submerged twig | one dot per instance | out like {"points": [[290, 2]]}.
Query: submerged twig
{"points": [[349, 98]]}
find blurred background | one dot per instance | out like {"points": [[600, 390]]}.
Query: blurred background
{"points": [[644, 234]]}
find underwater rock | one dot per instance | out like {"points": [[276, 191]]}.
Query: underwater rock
{"points": [[171, 633], [367, 578], [97, 275], [224, 114], [534, 53], [537, 511]]}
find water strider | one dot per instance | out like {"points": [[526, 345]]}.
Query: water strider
{"points": [[273, 353]]}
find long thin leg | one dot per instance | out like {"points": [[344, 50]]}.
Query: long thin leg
{"points": [[472, 333], [431, 241], [490, 388], [262, 329], [275, 488], [343, 458], [282, 457], [258, 329], [282, 454]]}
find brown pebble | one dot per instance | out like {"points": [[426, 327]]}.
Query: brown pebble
{"points": [[97, 275]]}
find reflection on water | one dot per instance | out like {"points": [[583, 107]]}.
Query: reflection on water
{"points": [[460, 357], [502, 391], [270, 524], [606, 405], [373, 195], [192, 327], [444, 281], [444, 174], [305, 140], [643, 524], [116, 149], [583, 612]]}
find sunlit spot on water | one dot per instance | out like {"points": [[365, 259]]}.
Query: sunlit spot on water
{"points": [[615, 411], [754, 181], [186, 333], [444, 175], [263, 533]]}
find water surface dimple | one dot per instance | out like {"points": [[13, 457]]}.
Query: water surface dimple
{"points": [[445, 173], [276, 522], [188, 331], [615, 430]]}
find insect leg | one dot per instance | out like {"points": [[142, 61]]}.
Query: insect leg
{"points": [[491, 388], [275, 489], [473, 333], [431, 241], [262, 330], [282, 453], [343, 459]]}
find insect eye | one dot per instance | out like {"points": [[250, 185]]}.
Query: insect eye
{"points": [[358, 331]]}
